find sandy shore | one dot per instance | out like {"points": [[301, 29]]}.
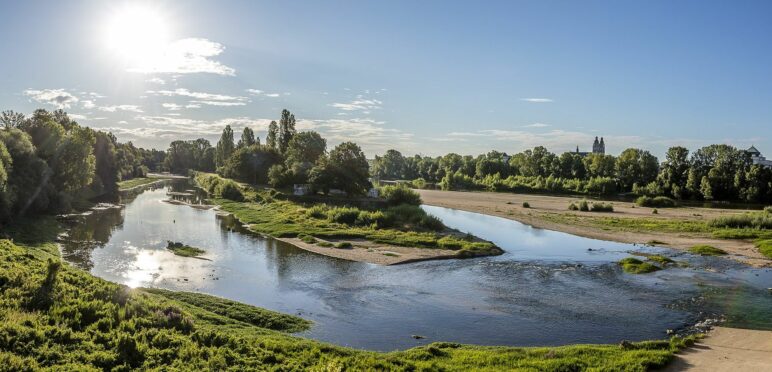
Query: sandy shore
{"points": [[727, 349], [509, 205], [381, 254]]}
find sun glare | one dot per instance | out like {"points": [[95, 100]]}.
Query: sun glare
{"points": [[136, 33]]}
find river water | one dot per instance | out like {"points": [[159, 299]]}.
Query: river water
{"points": [[549, 288]]}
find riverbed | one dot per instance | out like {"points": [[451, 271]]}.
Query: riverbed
{"points": [[549, 288]]}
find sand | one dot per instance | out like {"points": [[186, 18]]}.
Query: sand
{"points": [[727, 349], [496, 204], [380, 254]]}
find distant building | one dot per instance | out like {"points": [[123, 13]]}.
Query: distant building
{"points": [[301, 189], [757, 158], [598, 147]]}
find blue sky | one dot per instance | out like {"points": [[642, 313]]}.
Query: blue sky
{"points": [[425, 77]]}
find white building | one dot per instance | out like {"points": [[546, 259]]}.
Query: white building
{"points": [[757, 158]]}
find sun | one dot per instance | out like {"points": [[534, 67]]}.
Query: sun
{"points": [[137, 33]]}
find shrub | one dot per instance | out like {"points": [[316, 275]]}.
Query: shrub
{"points": [[307, 238], [757, 220], [635, 266], [317, 211], [229, 190], [344, 245], [602, 207], [324, 244], [584, 206], [657, 201], [526, 205], [432, 223], [654, 211], [573, 207], [367, 218], [419, 183], [768, 209], [400, 194], [346, 215], [707, 250]]}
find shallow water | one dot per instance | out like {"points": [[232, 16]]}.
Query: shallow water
{"points": [[547, 289]]}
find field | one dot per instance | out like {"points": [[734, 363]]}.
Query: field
{"points": [[56, 316], [680, 228]]}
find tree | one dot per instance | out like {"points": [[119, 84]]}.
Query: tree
{"points": [[675, 171], [225, 147], [247, 138], [599, 165], [250, 164], [391, 166], [106, 170], [303, 151], [28, 184], [345, 168], [74, 164], [636, 166], [273, 133], [11, 119], [286, 130]]}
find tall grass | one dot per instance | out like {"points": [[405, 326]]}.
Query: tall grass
{"points": [[657, 201], [754, 220]]}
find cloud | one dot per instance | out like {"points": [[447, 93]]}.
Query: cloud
{"points": [[219, 103], [172, 106], [258, 92], [536, 125], [156, 80], [182, 92], [186, 56], [88, 104], [77, 117], [114, 108], [56, 97], [537, 100], [359, 104]]}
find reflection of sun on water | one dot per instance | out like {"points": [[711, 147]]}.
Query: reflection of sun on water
{"points": [[145, 268]]}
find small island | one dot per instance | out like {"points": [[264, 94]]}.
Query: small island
{"points": [[183, 250]]}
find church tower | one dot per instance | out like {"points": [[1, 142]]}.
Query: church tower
{"points": [[596, 145], [601, 147]]}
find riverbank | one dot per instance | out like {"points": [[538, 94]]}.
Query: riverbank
{"points": [[57, 316], [727, 349], [678, 228], [399, 234], [151, 178]]}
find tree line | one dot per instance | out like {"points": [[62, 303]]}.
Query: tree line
{"points": [[288, 157], [715, 172], [48, 162]]}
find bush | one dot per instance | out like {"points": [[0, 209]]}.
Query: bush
{"points": [[419, 183], [573, 207], [317, 211], [707, 250], [307, 238], [757, 220], [368, 218], [432, 223], [344, 245], [346, 215], [400, 194], [526, 205], [654, 211], [657, 201], [602, 207], [584, 206], [229, 190], [768, 209]]}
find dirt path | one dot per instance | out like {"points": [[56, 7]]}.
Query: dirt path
{"points": [[727, 349], [508, 205]]}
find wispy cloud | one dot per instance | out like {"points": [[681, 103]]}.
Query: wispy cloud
{"points": [[114, 108], [537, 100], [359, 104], [56, 97], [182, 92], [172, 106], [156, 80], [536, 125], [219, 103], [258, 92], [186, 56]]}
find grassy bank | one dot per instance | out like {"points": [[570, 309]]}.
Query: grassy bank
{"points": [[183, 250], [55, 316], [401, 225], [136, 182]]}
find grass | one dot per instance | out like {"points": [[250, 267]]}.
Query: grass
{"points": [[183, 250], [754, 220], [344, 245], [765, 247], [633, 265], [136, 182], [85, 323], [325, 244], [660, 259], [657, 201], [706, 250], [403, 225]]}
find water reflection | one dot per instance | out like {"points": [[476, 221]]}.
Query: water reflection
{"points": [[548, 289]]}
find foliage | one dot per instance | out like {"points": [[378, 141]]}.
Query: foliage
{"points": [[345, 169], [225, 147], [400, 194], [706, 250], [765, 247], [635, 266], [657, 201], [601, 207], [755, 220], [526, 205], [183, 250]]}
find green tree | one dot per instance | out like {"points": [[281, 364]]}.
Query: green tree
{"points": [[247, 138], [225, 147], [10, 119], [599, 165], [271, 140], [674, 173], [286, 130], [74, 164], [345, 168], [390, 166], [636, 166]]}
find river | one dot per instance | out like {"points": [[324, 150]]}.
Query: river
{"points": [[549, 288]]}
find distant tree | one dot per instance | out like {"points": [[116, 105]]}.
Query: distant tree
{"points": [[286, 130], [271, 140], [225, 147], [302, 153], [636, 166], [674, 173], [247, 138], [106, 170], [345, 168], [390, 166], [599, 165], [28, 181], [11, 119], [74, 164], [250, 164]]}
